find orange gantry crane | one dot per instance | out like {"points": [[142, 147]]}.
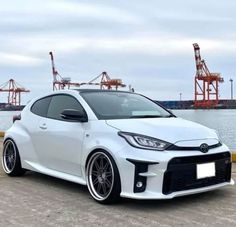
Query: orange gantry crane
{"points": [[60, 83], [106, 82], [14, 92], [206, 83]]}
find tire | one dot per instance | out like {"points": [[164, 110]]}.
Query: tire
{"points": [[103, 178], [11, 162]]}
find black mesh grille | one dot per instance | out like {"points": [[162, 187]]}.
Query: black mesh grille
{"points": [[181, 172]]}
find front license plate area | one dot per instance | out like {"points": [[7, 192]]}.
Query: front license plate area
{"points": [[206, 170]]}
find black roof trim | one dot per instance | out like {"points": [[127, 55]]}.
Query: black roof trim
{"points": [[100, 90]]}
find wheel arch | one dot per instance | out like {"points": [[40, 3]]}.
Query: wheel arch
{"points": [[96, 150], [22, 140], [6, 138]]}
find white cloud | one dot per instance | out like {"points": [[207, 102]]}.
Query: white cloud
{"points": [[18, 60], [132, 38], [147, 44], [26, 11]]}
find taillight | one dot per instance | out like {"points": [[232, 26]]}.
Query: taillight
{"points": [[16, 118]]}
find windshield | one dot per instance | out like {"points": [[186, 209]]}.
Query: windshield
{"points": [[122, 105]]}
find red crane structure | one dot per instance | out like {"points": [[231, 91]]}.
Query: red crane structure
{"points": [[206, 83], [106, 82], [14, 92], [59, 82]]}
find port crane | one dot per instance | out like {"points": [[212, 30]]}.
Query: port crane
{"points": [[14, 90], [106, 82], [206, 84], [60, 83]]}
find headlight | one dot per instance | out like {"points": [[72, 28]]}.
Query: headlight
{"points": [[144, 142]]}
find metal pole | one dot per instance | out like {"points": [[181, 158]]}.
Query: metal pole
{"points": [[180, 96], [231, 81]]}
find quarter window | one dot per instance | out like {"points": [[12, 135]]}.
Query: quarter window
{"points": [[60, 103], [40, 107]]}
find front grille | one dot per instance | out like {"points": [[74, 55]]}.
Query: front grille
{"points": [[177, 148], [181, 173]]}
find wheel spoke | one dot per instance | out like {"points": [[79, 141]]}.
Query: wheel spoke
{"points": [[96, 165], [108, 183], [101, 163], [10, 150], [99, 188], [104, 189], [95, 181], [7, 161], [95, 173], [108, 174], [10, 164], [106, 166]]}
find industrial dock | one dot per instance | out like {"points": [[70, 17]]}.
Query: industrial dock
{"points": [[189, 104], [206, 87]]}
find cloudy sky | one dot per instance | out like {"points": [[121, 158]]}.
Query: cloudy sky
{"points": [[146, 43]]}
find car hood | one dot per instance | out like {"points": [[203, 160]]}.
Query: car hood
{"points": [[172, 130]]}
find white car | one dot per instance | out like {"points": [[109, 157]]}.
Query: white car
{"points": [[119, 144]]}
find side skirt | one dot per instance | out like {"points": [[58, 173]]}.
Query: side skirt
{"points": [[65, 176]]}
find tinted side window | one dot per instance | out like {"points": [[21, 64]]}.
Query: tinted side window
{"points": [[40, 107], [61, 102]]}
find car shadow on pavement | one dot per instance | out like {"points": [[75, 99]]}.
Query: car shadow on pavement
{"points": [[78, 190], [178, 201], [54, 182]]}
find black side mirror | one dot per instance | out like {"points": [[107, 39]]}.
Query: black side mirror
{"points": [[74, 115]]}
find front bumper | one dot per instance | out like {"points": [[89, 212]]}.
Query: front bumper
{"points": [[174, 176], [181, 172]]}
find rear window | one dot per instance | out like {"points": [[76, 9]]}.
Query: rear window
{"points": [[40, 107]]}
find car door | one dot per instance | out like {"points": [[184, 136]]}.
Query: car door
{"points": [[61, 140], [34, 126]]}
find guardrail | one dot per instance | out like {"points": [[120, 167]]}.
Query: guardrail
{"points": [[234, 156], [2, 134]]}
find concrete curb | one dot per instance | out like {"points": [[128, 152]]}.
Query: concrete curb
{"points": [[2, 134]]}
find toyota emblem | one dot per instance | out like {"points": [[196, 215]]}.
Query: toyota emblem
{"points": [[204, 148]]}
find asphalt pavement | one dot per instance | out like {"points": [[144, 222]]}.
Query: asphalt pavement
{"points": [[39, 200]]}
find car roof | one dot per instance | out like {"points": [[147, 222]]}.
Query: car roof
{"points": [[99, 90]]}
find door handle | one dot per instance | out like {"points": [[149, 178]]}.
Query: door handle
{"points": [[43, 126]]}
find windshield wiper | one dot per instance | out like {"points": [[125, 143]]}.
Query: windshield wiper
{"points": [[146, 116], [169, 116]]}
